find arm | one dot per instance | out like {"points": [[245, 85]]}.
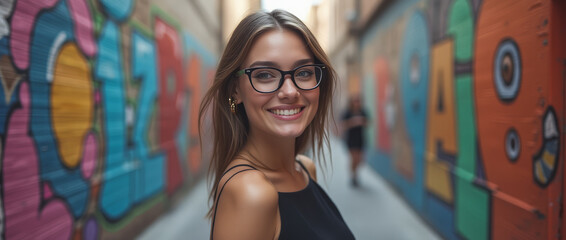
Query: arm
{"points": [[248, 208], [309, 164]]}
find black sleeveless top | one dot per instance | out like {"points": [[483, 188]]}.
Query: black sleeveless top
{"points": [[306, 214]]}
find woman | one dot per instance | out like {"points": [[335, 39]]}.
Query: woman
{"points": [[354, 120], [269, 100]]}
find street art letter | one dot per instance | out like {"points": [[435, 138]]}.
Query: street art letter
{"points": [[516, 121], [150, 176], [441, 135], [193, 83], [441, 139], [170, 58], [115, 197]]}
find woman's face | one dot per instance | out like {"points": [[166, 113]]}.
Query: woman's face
{"points": [[288, 111]]}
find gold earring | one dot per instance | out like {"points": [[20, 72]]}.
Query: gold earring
{"points": [[232, 103]]}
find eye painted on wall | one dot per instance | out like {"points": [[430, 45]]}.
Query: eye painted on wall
{"points": [[507, 70], [415, 75], [512, 145]]}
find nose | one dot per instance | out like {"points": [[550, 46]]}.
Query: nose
{"points": [[288, 89]]}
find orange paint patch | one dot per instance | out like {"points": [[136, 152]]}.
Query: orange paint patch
{"points": [[71, 103], [512, 89]]}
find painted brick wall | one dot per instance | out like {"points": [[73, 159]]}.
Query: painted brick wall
{"points": [[468, 106], [98, 111]]}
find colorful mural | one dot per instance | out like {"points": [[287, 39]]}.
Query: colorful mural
{"points": [[97, 117], [477, 87]]}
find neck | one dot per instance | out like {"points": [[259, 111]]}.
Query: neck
{"points": [[271, 153]]}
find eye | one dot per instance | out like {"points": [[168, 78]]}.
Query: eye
{"points": [[512, 145], [264, 75], [304, 73], [507, 70]]}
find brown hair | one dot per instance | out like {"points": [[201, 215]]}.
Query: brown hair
{"points": [[231, 130]]}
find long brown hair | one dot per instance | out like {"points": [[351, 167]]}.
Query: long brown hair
{"points": [[231, 130]]}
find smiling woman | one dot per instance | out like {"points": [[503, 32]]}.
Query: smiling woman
{"points": [[279, 84]]}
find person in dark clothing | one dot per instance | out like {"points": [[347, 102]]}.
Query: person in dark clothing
{"points": [[269, 101], [354, 121]]}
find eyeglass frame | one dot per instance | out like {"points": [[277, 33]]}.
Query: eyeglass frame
{"points": [[248, 71]]}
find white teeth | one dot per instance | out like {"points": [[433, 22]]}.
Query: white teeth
{"points": [[286, 112]]}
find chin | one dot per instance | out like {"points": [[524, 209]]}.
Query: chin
{"points": [[290, 133]]}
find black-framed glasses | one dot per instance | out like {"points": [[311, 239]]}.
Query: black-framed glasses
{"points": [[270, 79]]}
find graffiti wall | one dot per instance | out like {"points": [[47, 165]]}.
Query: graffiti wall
{"points": [[468, 105], [97, 116]]}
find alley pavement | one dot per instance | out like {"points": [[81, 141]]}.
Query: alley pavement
{"points": [[372, 211]]}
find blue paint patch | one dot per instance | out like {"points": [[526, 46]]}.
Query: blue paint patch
{"points": [[52, 29], [150, 173], [441, 216], [4, 46], [118, 10], [6, 104], [115, 196], [382, 163], [414, 74]]}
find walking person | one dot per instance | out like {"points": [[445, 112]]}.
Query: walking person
{"points": [[354, 121], [269, 102]]}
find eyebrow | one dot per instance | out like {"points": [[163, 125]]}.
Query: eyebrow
{"points": [[275, 65]]}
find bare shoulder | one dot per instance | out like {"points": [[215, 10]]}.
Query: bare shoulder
{"points": [[248, 207], [251, 188], [309, 164]]}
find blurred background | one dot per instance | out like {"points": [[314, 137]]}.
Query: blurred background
{"points": [[99, 105]]}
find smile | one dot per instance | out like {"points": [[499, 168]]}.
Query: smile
{"points": [[285, 112]]}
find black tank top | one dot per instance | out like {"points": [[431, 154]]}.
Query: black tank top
{"points": [[306, 214]]}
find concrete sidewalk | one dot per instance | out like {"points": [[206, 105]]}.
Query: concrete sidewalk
{"points": [[372, 211]]}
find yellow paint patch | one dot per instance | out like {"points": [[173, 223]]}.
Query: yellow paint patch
{"points": [[441, 123], [539, 173], [438, 180], [71, 103], [549, 159]]}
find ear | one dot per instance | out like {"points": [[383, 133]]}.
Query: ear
{"points": [[237, 97]]}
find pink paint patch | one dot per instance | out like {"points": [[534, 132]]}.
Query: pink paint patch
{"points": [[97, 97], [47, 193], [22, 22], [89, 157], [22, 197], [83, 26]]}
